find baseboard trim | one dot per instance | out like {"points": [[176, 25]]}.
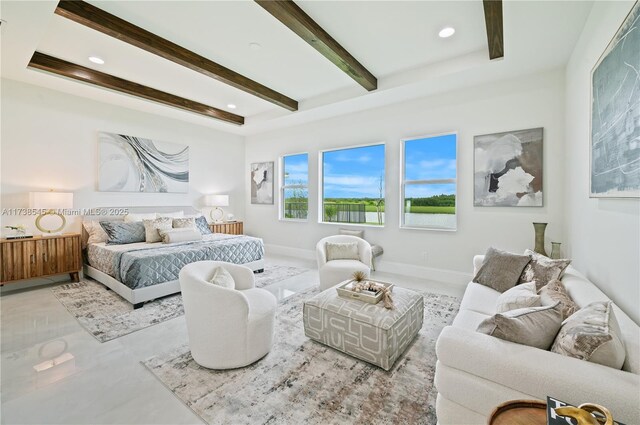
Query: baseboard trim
{"points": [[403, 269]]}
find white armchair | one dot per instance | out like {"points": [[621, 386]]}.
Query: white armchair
{"points": [[335, 271], [227, 328]]}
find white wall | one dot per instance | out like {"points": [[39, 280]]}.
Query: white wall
{"points": [[533, 101], [603, 235], [49, 140]]}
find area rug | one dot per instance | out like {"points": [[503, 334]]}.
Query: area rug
{"points": [[303, 382], [106, 315]]}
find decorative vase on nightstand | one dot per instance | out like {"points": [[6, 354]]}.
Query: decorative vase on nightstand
{"points": [[540, 228]]}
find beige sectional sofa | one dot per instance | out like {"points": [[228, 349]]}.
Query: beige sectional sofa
{"points": [[475, 372]]}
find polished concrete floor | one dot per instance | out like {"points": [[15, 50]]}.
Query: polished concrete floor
{"points": [[104, 383]]}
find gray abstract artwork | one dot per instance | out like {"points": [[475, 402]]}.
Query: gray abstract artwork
{"points": [[134, 164], [615, 114], [508, 169], [262, 183]]}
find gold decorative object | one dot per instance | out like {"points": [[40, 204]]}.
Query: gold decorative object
{"points": [[582, 414], [359, 276], [50, 203]]}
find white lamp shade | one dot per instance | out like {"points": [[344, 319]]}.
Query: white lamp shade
{"points": [[51, 200], [217, 200]]}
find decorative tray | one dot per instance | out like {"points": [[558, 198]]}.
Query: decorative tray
{"points": [[345, 290]]}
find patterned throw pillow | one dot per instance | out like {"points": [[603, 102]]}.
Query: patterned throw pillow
{"points": [[542, 269], [180, 223], [120, 233], [95, 231], [342, 251], [222, 277], [532, 326], [501, 269], [151, 228], [555, 291], [520, 296], [592, 334], [202, 225]]}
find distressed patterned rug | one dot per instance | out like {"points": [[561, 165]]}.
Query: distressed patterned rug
{"points": [[106, 315], [303, 382]]}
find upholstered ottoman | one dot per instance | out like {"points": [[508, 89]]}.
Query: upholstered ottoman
{"points": [[368, 332]]}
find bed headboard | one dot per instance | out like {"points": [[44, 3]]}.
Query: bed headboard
{"points": [[188, 210]]}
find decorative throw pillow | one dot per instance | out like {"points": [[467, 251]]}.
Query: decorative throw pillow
{"points": [[342, 251], [132, 218], [593, 334], [152, 226], [555, 291], [185, 234], [175, 214], [542, 269], [202, 225], [95, 231], [532, 326], [185, 222], [120, 233], [501, 269], [520, 296], [222, 277], [358, 233]]}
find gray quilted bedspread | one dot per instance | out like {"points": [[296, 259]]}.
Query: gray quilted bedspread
{"points": [[149, 266]]}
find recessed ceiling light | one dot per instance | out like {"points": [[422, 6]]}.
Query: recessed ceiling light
{"points": [[231, 106], [255, 46], [446, 32], [96, 59]]}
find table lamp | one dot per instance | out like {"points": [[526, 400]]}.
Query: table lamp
{"points": [[217, 201], [52, 202]]}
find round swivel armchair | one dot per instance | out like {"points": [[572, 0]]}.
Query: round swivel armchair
{"points": [[333, 272], [227, 328]]}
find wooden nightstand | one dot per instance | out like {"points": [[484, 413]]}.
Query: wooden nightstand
{"points": [[228, 227], [40, 256]]}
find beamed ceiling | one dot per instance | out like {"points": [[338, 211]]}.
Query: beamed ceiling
{"points": [[281, 63]]}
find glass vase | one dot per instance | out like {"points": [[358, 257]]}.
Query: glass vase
{"points": [[555, 250], [539, 229]]}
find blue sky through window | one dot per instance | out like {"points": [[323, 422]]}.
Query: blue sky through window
{"points": [[354, 172], [296, 169], [430, 158]]}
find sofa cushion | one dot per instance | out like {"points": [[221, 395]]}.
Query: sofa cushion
{"points": [[542, 269], [501, 270], [555, 291], [592, 334], [479, 298], [520, 296], [469, 319], [532, 326]]}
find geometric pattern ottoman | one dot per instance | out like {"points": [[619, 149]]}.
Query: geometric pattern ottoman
{"points": [[366, 331]]}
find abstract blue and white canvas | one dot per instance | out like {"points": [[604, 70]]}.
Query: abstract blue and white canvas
{"points": [[615, 114], [134, 164]]}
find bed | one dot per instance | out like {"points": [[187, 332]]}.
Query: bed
{"points": [[141, 272]]}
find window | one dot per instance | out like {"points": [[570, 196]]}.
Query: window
{"points": [[294, 181], [353, 185], [429, 183]]}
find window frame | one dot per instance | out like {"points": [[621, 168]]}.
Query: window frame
{"points": [[321, 185], [283, 187], [403, 183]]}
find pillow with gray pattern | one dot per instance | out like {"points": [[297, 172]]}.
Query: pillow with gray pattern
{"points": [[120, 233], [592, 334], [542, 269]]}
